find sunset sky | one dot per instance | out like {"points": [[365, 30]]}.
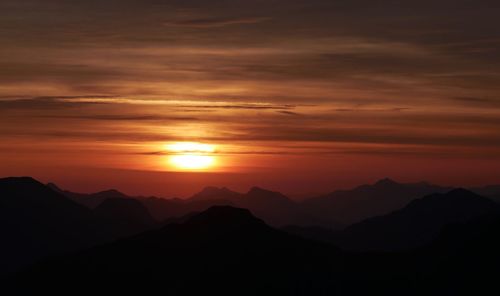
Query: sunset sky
{"points": [[297, 96]]}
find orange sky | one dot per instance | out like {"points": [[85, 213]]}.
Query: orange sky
{"points": [[297, 96]]}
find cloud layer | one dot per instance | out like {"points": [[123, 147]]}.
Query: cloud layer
{"points": [[419, 79]]}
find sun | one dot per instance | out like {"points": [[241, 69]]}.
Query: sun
{"points": [[192, 162], [191, 155]]}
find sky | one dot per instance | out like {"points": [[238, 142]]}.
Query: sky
{"points": [[297, 96]]}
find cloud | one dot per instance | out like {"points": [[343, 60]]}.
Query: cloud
{"points": [[478, 101], [372, 110], [368, 67], [245, 106], [125, 117], [47, 102], [216, 22], [289, 113]]}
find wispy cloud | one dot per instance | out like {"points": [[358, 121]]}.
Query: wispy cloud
{"points": [[215, 22], [289, 113], [478, 101], [125, 117]]}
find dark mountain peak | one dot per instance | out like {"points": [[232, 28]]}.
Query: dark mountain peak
{"points": [[257, 189], [261, 191], [215, 193], [462, 192], [419, 222], [386, 182], [257, 193], [215, 190], [15, 181], [455, 196], [112, 193], [28, 189], [224, 215], [54, 187]]}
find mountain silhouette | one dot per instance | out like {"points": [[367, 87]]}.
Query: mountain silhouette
{"points": [[418, 223], [127, 215], [228, 251], [491, 191], [91, 200], [163, 209], [222, 249], [36, 221], [351, 206], [440, 244], [273, 207], [160, 208], [215, 193]]}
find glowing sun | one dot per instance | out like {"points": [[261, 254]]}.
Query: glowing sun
{"points": [[191, 155]]}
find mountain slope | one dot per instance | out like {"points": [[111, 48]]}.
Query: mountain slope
{"points": [[162, 209], [418, 223], [215, 193], [127, 216], [91, 200], [351, 206], [223, 249], [227, 251], [36, 221], [491, 191], [159, 208], [273, 207]]}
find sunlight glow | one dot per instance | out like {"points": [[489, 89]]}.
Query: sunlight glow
{"points": [[192, 162], [191, 155], [191, 147]]}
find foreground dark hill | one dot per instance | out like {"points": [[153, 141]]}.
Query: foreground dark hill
{"points": [[417, 224], [220, 250], [351, 206], [491, 191], [227, 251], [36, 222]]}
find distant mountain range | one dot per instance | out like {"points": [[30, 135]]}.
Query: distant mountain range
{"points": [[273, 207], [40, 220], [335, 210], [414, 226], [355, 205], [418, 223]]}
